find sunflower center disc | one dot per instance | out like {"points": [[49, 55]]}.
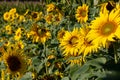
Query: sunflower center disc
{"points": [[73, 40], [14, 63], [108, 28]]}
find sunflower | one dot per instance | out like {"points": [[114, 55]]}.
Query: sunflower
{"points": [[15, 60], [18, 34], [49, 18], [6, 16], [71, 42], [87, 46], [8, 29], [36, 15], [13, 10], [105, 28], [39, 34], [50, 7], [60, 34], [82, 13], [21, 18]]}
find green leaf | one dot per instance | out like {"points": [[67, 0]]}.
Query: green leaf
{"points": [[65, 78], [81, 70]]}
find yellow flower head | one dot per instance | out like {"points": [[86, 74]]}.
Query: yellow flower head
{"points": [[57, 18], [15, 60], [13, 10], [82, 13], [19, 44], [6, 16], [50, 7], [8, 29], [18, 34], [105, 28], [71, 42], [88, 46], [36, 16], [39, 34], [21, 18], [49, 18]]}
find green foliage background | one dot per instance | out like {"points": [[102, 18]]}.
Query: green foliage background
{"points": [[100, 66]]}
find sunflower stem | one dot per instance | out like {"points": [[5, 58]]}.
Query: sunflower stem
{"points": [[44, 51], [115, 52]]}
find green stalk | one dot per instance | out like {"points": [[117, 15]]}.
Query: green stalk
{"points": [[115, 52]]}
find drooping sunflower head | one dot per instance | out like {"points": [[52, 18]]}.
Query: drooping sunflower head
{"points": [[82, 13], [15, 61], [71, 42], [105, 28]]}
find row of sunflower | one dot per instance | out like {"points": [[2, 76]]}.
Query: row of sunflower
{"points": [[60, 43]]}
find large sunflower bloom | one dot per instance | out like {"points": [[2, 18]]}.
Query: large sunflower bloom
{"points": [[71, 42], [87, 46], [15, 61], [105, 28], [82, 13]]}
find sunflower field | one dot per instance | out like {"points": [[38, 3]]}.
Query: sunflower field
{"points": [[60, 40]]}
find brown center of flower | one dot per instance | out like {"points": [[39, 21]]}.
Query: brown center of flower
{"points": [[73, 41], [83, 13], [109, 6], [87, 43], [108, 28], [14, 63], [34, 15]]}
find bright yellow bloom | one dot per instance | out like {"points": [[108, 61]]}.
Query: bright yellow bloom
{"points": [[36, 15], [39, 34], [50, 7], [105, 28], [15, 60], [82, 13], [8, 29], [21, 18], [19, 44], [57, 18], [49, 18], [88, 46], [6, 16], [71, 42], [18, 34], [13, 10]]}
